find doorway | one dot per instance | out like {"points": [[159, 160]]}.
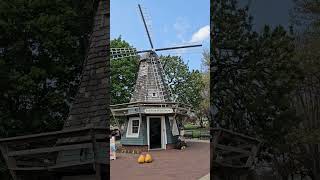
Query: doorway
{"points": [[155, 132]]}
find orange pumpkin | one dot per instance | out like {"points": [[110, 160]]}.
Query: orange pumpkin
{"points": [[141, 159], [148, 158]]}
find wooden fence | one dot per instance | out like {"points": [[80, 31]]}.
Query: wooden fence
{"points": [[58, 151]]}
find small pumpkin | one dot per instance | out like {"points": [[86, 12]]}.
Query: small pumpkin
{"points": [[141, 159], [148, 158]]}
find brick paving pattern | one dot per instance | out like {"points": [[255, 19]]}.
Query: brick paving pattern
{"points": [[191, 163]]}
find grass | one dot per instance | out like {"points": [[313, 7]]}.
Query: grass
{"points": [[191, 127], [195, 129]]}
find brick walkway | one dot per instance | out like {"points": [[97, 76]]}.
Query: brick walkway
{"points": [[191, 163]]}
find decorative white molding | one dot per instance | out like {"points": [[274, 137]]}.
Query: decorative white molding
{"points": [[158, 110]]}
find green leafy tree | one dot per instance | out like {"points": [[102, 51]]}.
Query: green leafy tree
{"points": [[203, 112], [123, 74], [254, 76], [306, 18], [186, 85], [42, 48], [123, 77]]}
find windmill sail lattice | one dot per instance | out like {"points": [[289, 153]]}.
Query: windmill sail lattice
{"points": [[119, 53]]}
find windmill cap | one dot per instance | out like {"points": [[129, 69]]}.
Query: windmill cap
{"points": [[144, 56]]}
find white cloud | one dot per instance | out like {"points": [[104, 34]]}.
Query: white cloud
{"points": [[181, 27], [201, 35]]}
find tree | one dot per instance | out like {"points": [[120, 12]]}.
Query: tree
{"points": [[42, 48], [123, 74], [123, 77], [253, 75], [185, 85], [306, 18], [203, 111]]}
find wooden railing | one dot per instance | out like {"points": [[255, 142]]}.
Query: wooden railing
{"points": [[231, 149], [54, 150]]}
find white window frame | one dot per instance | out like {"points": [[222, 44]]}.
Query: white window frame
{"points": [[129, 128]]}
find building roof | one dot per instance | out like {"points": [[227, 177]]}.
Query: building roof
{"points": [[90, 107], [150, 85]]}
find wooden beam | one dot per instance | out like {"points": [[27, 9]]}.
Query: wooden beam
{"points": [[233, 149], [96, 164], [11, 163], [227, 165], [235, 157], [53, 134], [237, 134], [106, 162], [29, 163], [29, 169], [81, 139], [70, 164], [250, 160], [49, 150], [244, 146]]}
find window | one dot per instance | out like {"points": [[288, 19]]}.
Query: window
{"points": [[133, 127], [154, 94]]}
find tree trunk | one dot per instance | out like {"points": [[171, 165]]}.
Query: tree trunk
{"points": [[201, 122]]}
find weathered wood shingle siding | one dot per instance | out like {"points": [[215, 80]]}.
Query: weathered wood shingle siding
{"points": [[147, 83], [141, 140], [91, 103]]}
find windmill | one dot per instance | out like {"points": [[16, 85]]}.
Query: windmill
{"points": [[149, 57], [153, 118]]}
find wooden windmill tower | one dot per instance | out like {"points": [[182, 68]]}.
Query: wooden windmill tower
{"points": [[152, 115], [80, 150]]}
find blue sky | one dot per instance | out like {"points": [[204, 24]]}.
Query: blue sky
{"points": [[173, 22], [271, 12]]}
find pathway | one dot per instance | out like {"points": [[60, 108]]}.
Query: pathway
{"points": [[191, 163]]}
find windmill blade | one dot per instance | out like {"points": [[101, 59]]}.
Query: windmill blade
{"points": [[178, 47], [145, 25], [118, 53]]}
